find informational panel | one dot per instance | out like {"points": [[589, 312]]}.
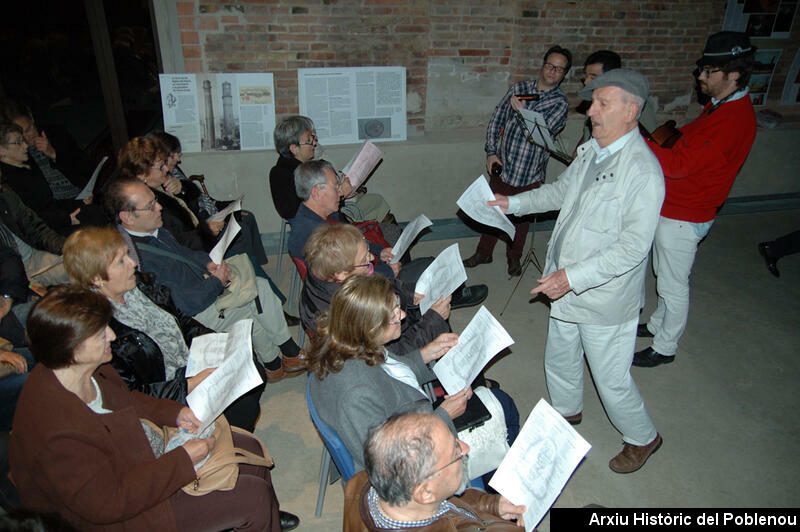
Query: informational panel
{"points": [[355, 104], [761, 18], [761, 78], [210, 112]]}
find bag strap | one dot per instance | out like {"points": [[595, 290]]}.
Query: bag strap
{"points": [[264, 451], [164, 253]]}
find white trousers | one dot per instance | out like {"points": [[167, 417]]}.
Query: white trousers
{"points": [[269, 326], [609, 352], [674, 249]]}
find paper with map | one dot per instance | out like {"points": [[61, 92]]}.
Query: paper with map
{"points": [[539, 464], [478, 343], [473, 203], [236, 374], [408, 235], [362, 164], [441, 278]]}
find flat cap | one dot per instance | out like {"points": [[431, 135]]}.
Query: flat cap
{"points": [[624, 78]]}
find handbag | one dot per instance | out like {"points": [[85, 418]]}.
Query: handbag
{"points": [[220, 471], [242, 288], [487, 443], [372, 232]]}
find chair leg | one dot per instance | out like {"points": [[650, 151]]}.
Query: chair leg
{"points": [[301, 336], [281, 251], [324, 469], [292, 284]]}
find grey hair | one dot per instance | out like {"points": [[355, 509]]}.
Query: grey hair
{"points": [[288, 132], [635, 99], [310, 174], [399, 455]]}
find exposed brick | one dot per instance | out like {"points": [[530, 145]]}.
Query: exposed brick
{"points": [[185, 8]]}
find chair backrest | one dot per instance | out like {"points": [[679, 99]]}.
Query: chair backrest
{"points": [[341, 456], [301, 267]]}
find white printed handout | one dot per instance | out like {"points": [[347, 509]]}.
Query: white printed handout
{"points": [[218, 253], [478, 343], [540, 462], [362, 164], [537, 126], [236, 374], [441, 278], [89, 188], [473, 203], [235, 205], [408, 235]]}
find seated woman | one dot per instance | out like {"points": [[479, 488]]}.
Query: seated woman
{"points": [[27, 180], [203, 206], [296, 142], [79, 449], [334, 253], [150, 351], [356, 383]]}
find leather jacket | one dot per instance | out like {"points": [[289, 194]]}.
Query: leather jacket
{"points": [[484, 506], [138, 359]]}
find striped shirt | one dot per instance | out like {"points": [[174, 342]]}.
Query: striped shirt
{"points": [[524, 163]]}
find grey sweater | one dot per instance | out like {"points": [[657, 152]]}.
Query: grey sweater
{"points": [[361, 397]]}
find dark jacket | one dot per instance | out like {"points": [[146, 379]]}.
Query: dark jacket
{"points": [[484, 506], [95, 470], [281, 184], [137, 357], [316, 299], [193, 288], [178, 221], [26, 224]]}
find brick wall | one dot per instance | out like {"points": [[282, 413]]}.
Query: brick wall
{"points": [[487, 42]]}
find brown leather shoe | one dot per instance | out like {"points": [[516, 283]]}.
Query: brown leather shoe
{"points": [[574, 419], [476, 259], [632, 457], [294, 364], [274, 375]]}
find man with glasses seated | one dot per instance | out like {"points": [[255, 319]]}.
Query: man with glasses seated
{"points": [[416, 477], [699, 171], [513, 164]]}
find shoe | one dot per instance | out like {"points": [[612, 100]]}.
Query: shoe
{"points": [[574, 419], [293, 364], [288, 521], [274, 375], [476, 259], [514, 267], [765, 249], [632, 457], [469, 296], [643, 332], [291, 321], [647, 358]]}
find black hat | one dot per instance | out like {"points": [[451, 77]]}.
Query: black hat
{"points": [[725, 46]]}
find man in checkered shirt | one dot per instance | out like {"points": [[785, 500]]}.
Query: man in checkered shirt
{"points": [[524, 165]]}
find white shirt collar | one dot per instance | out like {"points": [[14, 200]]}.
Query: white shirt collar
{"points": [[611, 149], [735, 96], [136, 233]]}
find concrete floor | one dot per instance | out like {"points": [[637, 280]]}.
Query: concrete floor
{"points": [[727, 408]]}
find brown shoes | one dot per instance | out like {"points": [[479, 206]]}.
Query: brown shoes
{"points": [[632, 457], [290, 367], [574, 419], [476, 259]]}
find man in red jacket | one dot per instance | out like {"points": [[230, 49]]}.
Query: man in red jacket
{"points": [[699, 171]]}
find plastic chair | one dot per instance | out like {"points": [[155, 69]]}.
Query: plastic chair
{"points": [[332, 449]]}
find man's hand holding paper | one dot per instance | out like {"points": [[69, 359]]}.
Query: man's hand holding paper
{"points": [[474, 202]]}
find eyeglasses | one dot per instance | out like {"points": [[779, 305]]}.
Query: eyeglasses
{"points": [[397, 312], [17, 143], [314, 141], [461, 456], [151, 206], [159, 166], [708, 71], [557, 69]]}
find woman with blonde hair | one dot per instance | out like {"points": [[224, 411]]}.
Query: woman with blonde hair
{"points": [[150, 351], [356, 383]]}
